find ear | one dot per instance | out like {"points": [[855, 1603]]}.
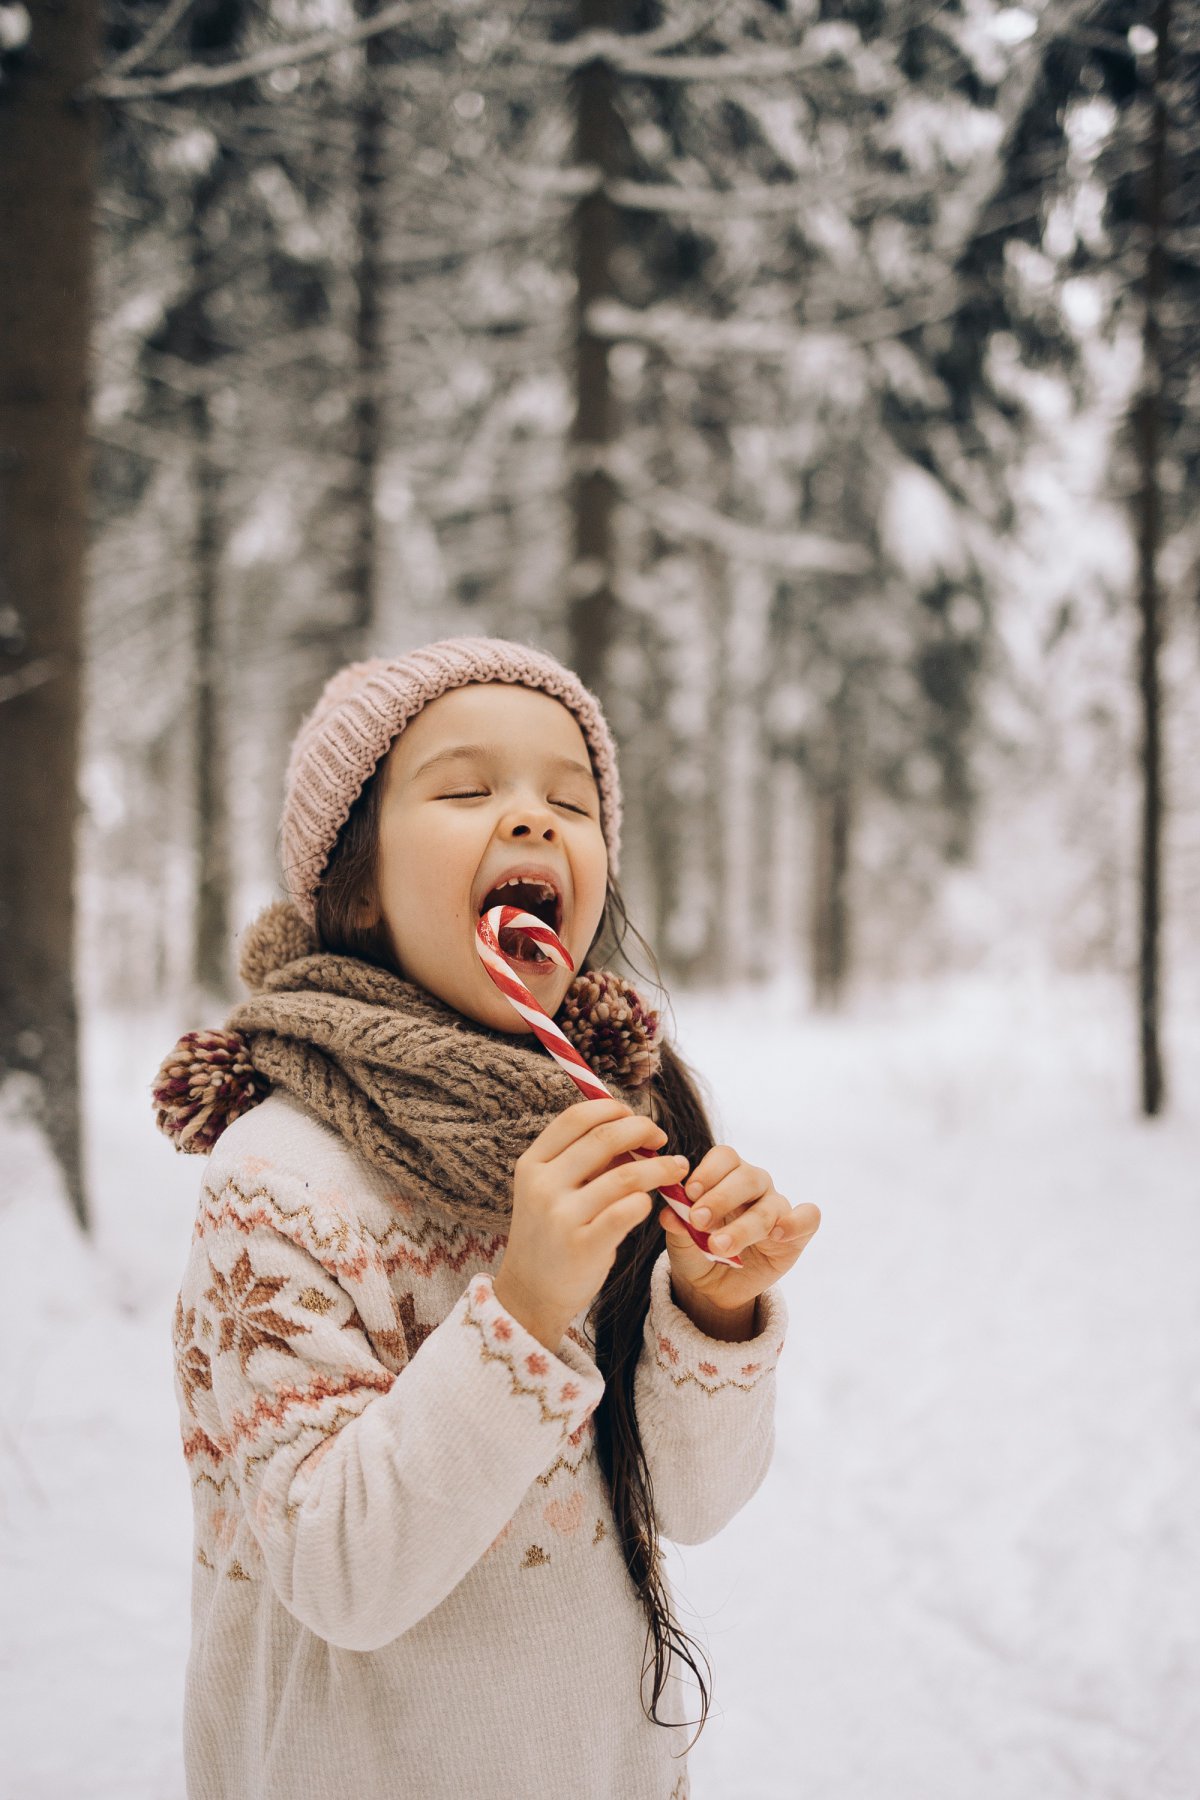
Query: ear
{"points": [[366, 912]]}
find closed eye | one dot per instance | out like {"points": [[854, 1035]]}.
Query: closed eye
{"points": [[480, 793]]}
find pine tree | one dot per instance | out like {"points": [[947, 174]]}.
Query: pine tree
{"points": [[1139, 78], [47, 164]]}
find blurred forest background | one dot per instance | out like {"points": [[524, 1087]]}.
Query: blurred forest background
{"points": [[817, 377], [811, 375]]}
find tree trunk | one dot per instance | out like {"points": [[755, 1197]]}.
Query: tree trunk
{"points": [[656, 751], [215, 29], [831, 870], [763, 952], [760, 957], [1149, 505], [343, 634], [47, 177], [593, 605], [191, 337], [362, 572], [714, 965], [211, 931]]}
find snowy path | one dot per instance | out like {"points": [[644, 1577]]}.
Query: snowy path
{"points": [[974, 1570]]}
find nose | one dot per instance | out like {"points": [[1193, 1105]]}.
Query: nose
{"points": [[523, 829], [531, 819]]}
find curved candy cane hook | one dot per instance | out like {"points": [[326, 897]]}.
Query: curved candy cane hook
{"points": [[500, 919]]}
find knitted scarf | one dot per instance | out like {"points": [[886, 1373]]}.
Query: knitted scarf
{"points": [[441, 1103]]}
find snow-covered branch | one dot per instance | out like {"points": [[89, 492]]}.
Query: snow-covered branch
{"points": [[964, 211], [760, 64], [192, 77], [685, 334], [34, 675], [115, 84], [550, 183], [145, 47], [616, 48], [644, 53], [679, 516], [737, 203]]}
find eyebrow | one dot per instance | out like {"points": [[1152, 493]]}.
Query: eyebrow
{"points": [[457, 751]]}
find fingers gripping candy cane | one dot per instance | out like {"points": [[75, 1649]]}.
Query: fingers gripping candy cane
{"points": [[499, 919]]}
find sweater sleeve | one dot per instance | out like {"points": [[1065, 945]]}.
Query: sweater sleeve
{"points": [[370, 1492], [706, 1412]]}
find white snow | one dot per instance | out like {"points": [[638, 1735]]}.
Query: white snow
{"points": [[974, 1568]]}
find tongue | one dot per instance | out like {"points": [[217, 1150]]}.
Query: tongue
{"points": [[524, 944]]}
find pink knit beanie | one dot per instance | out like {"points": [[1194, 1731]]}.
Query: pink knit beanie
{"points": [[364, 707]]}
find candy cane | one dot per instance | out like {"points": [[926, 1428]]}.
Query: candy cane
{"points": [[487, 942]]}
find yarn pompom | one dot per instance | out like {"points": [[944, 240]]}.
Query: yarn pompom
{"points": [[612, 1028], [279, 935], [204, 1084]]}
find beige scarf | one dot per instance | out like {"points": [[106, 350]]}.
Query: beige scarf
{"points": [[442, 1104]]}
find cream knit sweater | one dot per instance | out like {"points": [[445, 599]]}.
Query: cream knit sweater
{"points": [[407, 1583]]}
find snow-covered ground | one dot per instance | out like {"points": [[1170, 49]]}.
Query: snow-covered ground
{"points": [[973, 1572]]}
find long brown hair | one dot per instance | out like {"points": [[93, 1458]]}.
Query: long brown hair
{"points": [[619, 1311]]}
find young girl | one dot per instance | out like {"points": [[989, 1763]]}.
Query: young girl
{"points": [[445, 1373]]}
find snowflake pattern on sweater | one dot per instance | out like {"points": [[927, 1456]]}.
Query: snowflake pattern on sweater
{"points": [[397, 1497]]}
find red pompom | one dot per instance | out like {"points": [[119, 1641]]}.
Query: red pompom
{"points": [[204, 1084], [612, 1028]]}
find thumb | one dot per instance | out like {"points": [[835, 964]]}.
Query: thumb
{"points": [[675, 1228]]}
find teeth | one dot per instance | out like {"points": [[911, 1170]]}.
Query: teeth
{"points": [[526, 951], [546, 891]]}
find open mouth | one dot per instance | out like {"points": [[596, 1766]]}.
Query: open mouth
{"points": [[532, 896]]}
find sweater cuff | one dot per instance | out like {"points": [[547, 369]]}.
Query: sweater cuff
{"points": [[686, 1353], [565, 1386]]}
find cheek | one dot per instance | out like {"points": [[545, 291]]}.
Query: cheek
{"points": [[597, 867], [438, 890], [427, 866], [591, 892], [425, 832]]}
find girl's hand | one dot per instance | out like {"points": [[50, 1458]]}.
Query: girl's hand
{"points": [[573, 1202], [744, 1204]]}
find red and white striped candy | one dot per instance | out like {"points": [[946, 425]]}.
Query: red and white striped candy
{"points": [[487, 941]]}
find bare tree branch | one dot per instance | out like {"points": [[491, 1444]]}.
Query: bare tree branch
{"points": [[773, 197], [679, 332], [643, 53], [146, 45], [760, 64], [969, 206], [614, 47], [33, 675], [800, 552], [194, 76], [112, 85]]}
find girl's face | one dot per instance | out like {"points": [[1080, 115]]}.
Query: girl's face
{"points": [[487, 781]]}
